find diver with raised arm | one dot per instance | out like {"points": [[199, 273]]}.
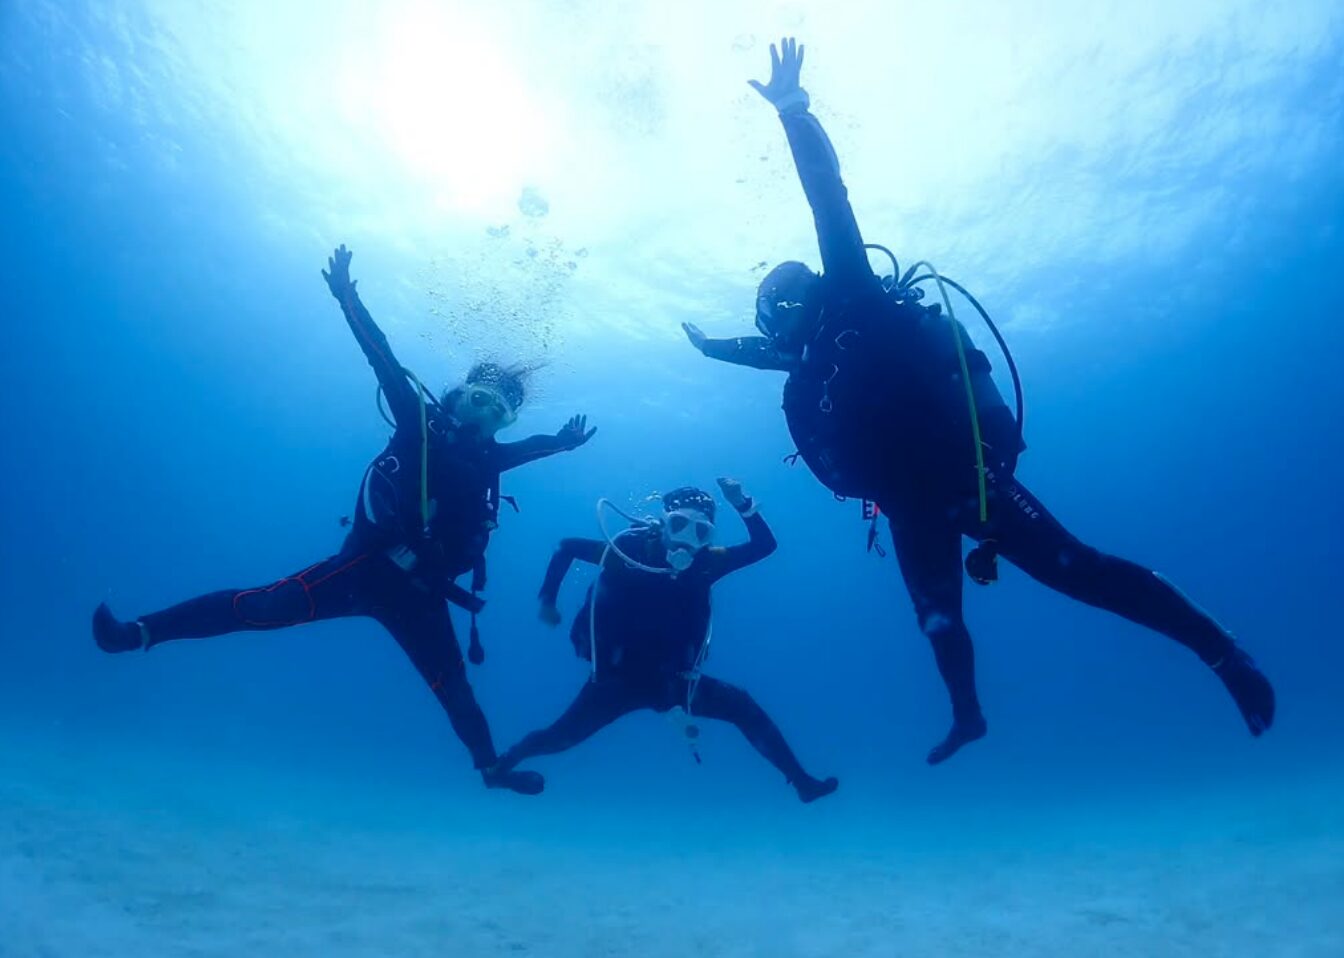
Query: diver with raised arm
{"points": [[645, 626], [888, 401], [424, 514]]}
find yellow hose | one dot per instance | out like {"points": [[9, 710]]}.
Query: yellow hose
{"points": [[970, 391]]}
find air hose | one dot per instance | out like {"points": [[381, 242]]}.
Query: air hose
{"points": [[909, 279], [475, 651], [970, 391], [611, 548], [611, 540], [998, 338], [693, 680], [421, 394]]}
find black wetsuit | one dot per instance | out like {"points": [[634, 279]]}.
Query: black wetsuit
{"points": [[392, 568], [877, 406], [652, 631]]}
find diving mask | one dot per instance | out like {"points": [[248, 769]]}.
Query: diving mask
{"points": [[486, 407], [685, 533]]}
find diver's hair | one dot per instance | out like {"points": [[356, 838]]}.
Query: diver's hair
{"points": [[510, 380], [689, 497], [789, 278]]}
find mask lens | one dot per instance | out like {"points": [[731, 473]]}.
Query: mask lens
{"points": [[765, 315], [481, 398], [689, 530], [488, 400]]}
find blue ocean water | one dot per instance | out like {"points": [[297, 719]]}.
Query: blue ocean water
{"points": [[1148, 200]]}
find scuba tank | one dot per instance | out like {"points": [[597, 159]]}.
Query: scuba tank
{"points": [[981, 562]]}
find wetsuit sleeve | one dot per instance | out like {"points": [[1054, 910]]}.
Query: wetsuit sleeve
{"points": [[511, 455], [754, 351], [401, 395], [760, 543], [842, 254], [569, 551]]}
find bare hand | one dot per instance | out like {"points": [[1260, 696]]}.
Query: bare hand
{"points": [[337, 273], [784, 88], [733, 492], [575, 433], [697, 338]]}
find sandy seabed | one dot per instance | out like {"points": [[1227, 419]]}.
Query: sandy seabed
{"points": [[110, 854]]}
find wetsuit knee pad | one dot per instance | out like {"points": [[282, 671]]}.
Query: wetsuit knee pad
{"points": [[937, 624], [288, 602]]}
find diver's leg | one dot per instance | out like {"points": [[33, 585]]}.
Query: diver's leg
{"points": [[329, 589], [420, 622], [928, 548], [728, 703], [1035, 541], [597, 705]]}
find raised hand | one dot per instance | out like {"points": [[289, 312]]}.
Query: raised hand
{"points": [[337, 273], [697, 338], [575, 433], [736, 496], [784, 89]]}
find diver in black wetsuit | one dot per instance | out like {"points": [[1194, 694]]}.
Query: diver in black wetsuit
{"points": [[645, 626], [877, 402], [425, 512]]}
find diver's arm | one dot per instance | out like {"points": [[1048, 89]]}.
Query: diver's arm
{"points": [[754, 351], [842, 253], [572, 435], [402, 399], [760, 544], [566, 554], [520, 453]]}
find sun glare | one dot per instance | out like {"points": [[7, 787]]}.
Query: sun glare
{"points": [[456, 109]]}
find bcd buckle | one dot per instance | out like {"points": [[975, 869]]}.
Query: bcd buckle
{"points": [[871, 513]]}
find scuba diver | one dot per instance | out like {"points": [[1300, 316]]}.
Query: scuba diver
{"points": [[645, 627], [889, 402], [425, 511]]}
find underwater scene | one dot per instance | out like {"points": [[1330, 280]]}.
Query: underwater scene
{"points": [[592, 478]]}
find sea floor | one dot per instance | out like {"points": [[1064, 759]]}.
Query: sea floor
{"points": [[106, 853]]}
